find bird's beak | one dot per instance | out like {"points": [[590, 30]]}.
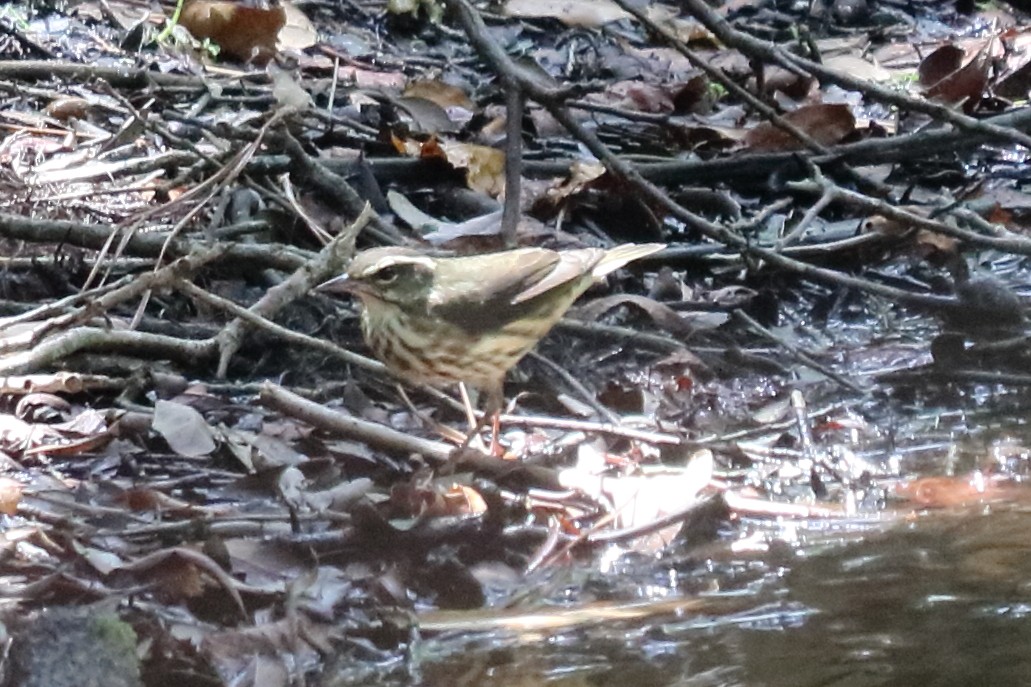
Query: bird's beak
{"points": [[341, 284]]}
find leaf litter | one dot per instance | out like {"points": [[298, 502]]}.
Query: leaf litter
{"points": [[833, 341]]}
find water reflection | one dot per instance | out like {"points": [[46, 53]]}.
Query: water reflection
{"points": [[941, 601]]}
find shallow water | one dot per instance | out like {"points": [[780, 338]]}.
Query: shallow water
{"points": [[942, 600]]}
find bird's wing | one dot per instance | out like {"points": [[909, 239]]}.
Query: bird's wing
{"points": [[571, 265], [578, 264], [490, 278], [481, 291]]}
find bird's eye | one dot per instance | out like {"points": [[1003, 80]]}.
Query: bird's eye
{"points": [[387, 275]]}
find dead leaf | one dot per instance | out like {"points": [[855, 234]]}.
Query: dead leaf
{"points": [[444, 95], [944, 492], [433, 9], [142, 499], [180, 561], [256, 655], [581, 174], [298, 32], [636, 96], [966, 84], [857, 67], [104, 562], [245, 33], [463, 500], [826, 123], [660, 313], [287, 90], [68, 107], [686, 30], [260, 451], [438, 231], [10, 495], [586, 13], [425, 116], [936, 242], [184, 429], [341, 498], [779, 80], [37, 407], [1016, 83], [947, 79], [14, 434], [485, 167], [370, 78], [693, 95], [642, 498], [939, 64]]}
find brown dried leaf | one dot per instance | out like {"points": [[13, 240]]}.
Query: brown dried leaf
{"points": [[693, 95], [186, 561], [939, 64], [246, 33], [947, 77], [143, 499], [407, 146], [414, 499], [936, 242], [443, 94], [581, 176], [10, 495], [779, 80], [370, 78], [485, 167], [636, 96], [176, 579], [943, 491], [965, 84], [686, 30], [68, 107], [879, 224], [463, 500], [826, 123]]}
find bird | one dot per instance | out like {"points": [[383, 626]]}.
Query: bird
{"points": [[469, 319]]}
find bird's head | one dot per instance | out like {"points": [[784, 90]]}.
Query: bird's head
{"points": [[399, 276]]}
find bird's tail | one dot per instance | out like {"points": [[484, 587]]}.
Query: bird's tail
{"points": [[582, 265], [615, 258]]}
